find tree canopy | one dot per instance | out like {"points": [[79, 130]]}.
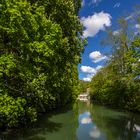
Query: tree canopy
{"points": [[40, 47], [118, 83]]}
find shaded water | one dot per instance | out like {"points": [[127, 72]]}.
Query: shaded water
{"points": [[84, 122]]}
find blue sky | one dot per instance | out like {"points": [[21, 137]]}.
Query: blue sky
{"points": [[95, 16]]}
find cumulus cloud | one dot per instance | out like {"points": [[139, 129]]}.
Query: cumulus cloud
{"points": [[137, 31], [117, 5], [96, 56], [90, 72], [88, 69], [88, 77], [95, 23], [137, 26], [98, 67]]}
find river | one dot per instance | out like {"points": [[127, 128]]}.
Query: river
{"points": [[85, 122]]}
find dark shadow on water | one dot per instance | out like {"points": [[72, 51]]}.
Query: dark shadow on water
{"points": [[38, 130]]}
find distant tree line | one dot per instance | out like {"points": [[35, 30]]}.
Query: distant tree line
{"points": [[84, 85]]}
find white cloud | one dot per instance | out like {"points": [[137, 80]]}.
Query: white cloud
{"points": [[137, 26], [95, 23], [117, 5], [98, 67], [88, 69], [129, 17], [87, 79], [96, 56], [90, 72]]}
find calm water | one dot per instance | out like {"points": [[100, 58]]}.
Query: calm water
{"points": [[84, 122]]}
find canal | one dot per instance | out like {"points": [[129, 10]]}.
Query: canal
{"points": [[85, 122]]}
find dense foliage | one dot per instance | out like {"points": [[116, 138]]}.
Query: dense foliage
{"points": [[118, 83], [40, 47], [84, 86]]}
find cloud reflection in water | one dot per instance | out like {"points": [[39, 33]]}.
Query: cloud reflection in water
{"points": [[95, 133], [85, 118]]}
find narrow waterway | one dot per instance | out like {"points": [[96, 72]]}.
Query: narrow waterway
{"points": [[84, 122]]}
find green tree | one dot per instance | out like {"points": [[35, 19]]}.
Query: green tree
{"points": [[40, 48], [117, 84]]}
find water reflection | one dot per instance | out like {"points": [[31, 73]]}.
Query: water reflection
{"points": [[84, 122], [87, 129], [95, 132], [107, 124], [85, 118]]}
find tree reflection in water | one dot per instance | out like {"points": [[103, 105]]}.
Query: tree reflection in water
{"points": [[107, 124]]}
